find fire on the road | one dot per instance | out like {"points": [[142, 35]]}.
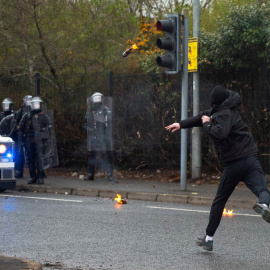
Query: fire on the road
{"points": [[120, 200], [229, 213]]}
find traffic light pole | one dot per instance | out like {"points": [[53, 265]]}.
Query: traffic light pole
{"points": [[171, 61], [184, 107], [196, 131]]}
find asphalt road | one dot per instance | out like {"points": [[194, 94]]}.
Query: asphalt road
{"points": [[73, 232]]}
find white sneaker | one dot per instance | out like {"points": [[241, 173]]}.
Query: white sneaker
{"points": [[263, 210]]}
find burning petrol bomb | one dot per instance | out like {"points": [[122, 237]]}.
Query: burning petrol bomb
{"points": [[120, 200], [128, 51]]}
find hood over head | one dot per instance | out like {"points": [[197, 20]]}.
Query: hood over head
{"points": [[219, 95], [233, 100]]}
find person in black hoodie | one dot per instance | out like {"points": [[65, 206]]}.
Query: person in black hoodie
{"points": [[236, 147]]}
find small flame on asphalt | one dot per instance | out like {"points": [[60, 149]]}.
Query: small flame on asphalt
{"points": [[229, 213], [120, 200]]}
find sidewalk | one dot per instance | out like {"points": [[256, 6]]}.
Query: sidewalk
{"points": [[135, 189], [10, 263]]}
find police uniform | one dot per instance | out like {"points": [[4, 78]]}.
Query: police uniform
{"points": [[29, 130], [20, 159], [98, 124]]}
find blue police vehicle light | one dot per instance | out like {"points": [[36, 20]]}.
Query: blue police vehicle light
{"points": [[8, 157]]}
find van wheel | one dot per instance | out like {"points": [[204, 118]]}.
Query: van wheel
{"points": [[2, 190]]}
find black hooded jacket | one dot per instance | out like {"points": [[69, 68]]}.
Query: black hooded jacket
{"points": [[229, 132]]}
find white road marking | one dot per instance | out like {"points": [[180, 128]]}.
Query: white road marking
{"points": [[199, 211], [40, 198]]}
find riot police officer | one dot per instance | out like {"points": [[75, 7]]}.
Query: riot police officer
{"points": [[34, 129], [25, 108], [98, 122], [7, 105]]}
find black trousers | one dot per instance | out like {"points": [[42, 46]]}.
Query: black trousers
{"points": [[106, 157], [19, 158], [32, 157], [247, 170]]}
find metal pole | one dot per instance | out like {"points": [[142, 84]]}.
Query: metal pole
{"points": [[196, 131], [184, 108]]}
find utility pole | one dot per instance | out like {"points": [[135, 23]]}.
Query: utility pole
{"points": [[184, 107], [196, 131]]}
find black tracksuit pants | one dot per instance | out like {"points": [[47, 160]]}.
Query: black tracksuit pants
{"points": [[247, 170]]}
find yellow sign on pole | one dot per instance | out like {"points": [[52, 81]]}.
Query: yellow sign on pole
{"points": [[192, 54]]}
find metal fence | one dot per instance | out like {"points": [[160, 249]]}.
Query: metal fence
{"points": [[143, 106]]}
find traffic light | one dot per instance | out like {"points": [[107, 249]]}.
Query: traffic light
{"points": [[171, 43]]}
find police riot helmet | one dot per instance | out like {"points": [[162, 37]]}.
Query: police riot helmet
{"points": [[7, 105], [27, 100], [97, 98], [36, 104]]}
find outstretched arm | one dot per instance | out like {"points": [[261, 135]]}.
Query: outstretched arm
{"points": [[173, 127], [195, 121]]}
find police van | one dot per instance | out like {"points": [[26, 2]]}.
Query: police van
{"points": [[7, 177]]}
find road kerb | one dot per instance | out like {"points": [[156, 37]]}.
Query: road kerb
{"points": [[34, 188], [134, 195], [111, 194], [200, 200], [85, 192], [58, 190], [142, 196], [172, 198]]}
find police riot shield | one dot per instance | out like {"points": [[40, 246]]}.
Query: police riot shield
{"points": [[99, 125], [42, 141], [8, 127], [55, 160]]}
